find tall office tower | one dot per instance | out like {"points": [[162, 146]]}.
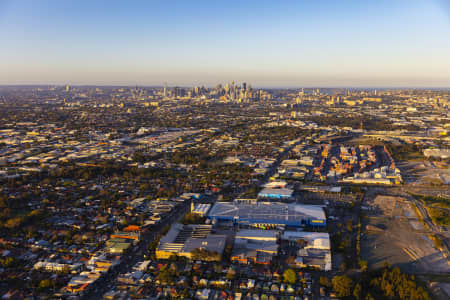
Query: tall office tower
{"points": [[244, 86], [219, 90], [165, 89], [227, 88]]}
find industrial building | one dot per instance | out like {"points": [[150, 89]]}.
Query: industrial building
{"points": [[257, 235], [316, 253], [133, 236], [117, 245], [182, 240], [267, 214], [316, 240], [200, 209], [257, 246], [280, 184]]}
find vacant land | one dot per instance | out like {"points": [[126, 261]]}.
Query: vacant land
{"points": [[423, 172], [395, 234], [437, 205]]}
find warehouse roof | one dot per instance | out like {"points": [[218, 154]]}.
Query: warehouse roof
{"points": [[276, 184], [266, 211], [318, 240], [256, 234], [282, 192], [185, 238], [201, 208]]}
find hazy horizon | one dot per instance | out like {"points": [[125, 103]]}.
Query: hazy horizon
{"points": [[309, 87], [387, 44]]}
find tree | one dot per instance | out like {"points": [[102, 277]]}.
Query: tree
{"points": [[173, 257], [325, 281], [166, 276], [342, 285], [45, 284], [349, 226], [357, 291], [7, 262], [364, 265], [192, 218], [231, 274], [393, 284], [369, 297], [290, 276]]}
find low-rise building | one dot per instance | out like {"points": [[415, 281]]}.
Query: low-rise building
{"points": [[276, 193]]}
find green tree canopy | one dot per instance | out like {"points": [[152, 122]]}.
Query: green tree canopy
{"points": [[342, 285], [290, 276]]}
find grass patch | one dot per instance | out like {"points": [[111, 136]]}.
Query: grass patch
{"points": [[439, 216], [433, 200]]}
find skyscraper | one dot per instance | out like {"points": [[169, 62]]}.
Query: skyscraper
{"points": [[227, 88], [165, 89]]}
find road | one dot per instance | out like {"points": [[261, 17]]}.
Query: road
{"points": [[433, 228], [128, 260], [276, 164], [106, 281]]}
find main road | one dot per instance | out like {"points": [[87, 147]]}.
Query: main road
{"points": [[105, 283]]}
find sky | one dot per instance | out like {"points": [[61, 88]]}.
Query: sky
{"points": [[303, 43]]}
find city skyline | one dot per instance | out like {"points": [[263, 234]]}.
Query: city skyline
{"points": [[294, 44]]}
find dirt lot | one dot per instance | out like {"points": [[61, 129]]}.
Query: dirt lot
{"points": [[397, 236], [424, 172]]}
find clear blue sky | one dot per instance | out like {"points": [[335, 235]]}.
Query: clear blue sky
{"points": [[266, 43]]}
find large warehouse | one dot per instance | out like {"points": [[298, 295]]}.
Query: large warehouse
{"points": [[183, 240], [268, 214]]}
